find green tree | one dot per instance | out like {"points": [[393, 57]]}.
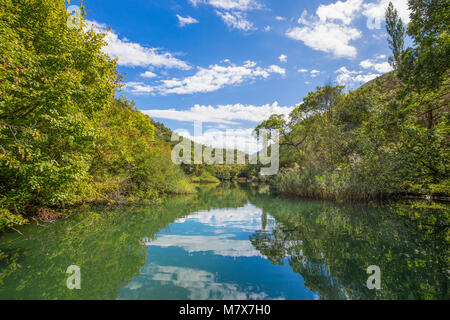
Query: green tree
{"points": [[53, 82], [425, 67], [64, 138], [396, 31]]}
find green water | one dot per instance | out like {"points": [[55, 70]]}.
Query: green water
{"points": [[233, 242]]}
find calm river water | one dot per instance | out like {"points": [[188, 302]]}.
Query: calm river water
{"points": [[233, 242]]}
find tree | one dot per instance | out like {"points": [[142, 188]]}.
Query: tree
{"points": [[396, 31], [64, 138], [53, 83], [425, 67], [320, 101]]}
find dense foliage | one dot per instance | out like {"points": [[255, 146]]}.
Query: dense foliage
{"points": [[388, 137], [64, 138]]}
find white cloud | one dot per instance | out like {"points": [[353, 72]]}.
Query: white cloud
{"points": [[238, 5], [267, 28], [148, 74], [326, 36], [382, 67], [132, 54], [209, 79], [232, 12], [302, 70], [279, 18], [353, 78], [342, 11], [138, 87], [236, 20], [377, 64], [276, 69], [185, 21], [283, 58], [314, 73], [225, 114], [375, 11]]}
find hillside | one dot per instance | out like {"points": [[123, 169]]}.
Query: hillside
{"points": [[374, 142]]}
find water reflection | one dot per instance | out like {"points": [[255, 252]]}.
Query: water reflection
{"points": [[195, 284], [332, 245], [233, 242], [208, 255], [223, 245], [222, 231]]}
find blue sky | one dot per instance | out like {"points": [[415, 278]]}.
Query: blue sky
{"points": [[232, 63]]}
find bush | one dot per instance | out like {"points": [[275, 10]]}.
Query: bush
{"points": [[205, 177], [7, 219]]}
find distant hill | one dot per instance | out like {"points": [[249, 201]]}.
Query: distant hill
{"points": [[162, 133]]}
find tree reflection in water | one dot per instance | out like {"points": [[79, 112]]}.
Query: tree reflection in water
{"points": [[332, 245]]}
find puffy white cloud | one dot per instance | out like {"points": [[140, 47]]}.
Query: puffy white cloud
{"points": [[382, 67], [378, 64], [132, 54], [148, 74], [302, 70], [330, 31], [185, 21], [342, 11], [276, 69], [325, 35], [279, 18], [267, 28], [353, 78], [226, 114], [138, 87], [283, 58], [375, 11], [209, 79], [236, 20]]}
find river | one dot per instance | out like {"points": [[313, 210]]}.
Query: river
{"points": [[232, 242]]}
